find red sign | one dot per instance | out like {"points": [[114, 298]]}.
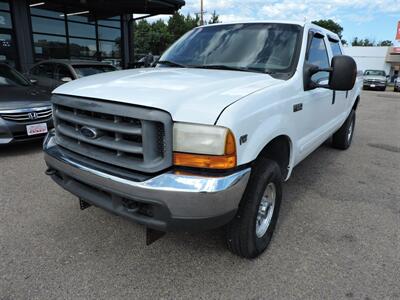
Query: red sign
{"points": [[398, 32]]}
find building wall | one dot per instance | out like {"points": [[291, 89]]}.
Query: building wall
{"points": [[369, 58]]}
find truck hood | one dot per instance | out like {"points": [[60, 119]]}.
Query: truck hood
{"points": [[189, 95]]}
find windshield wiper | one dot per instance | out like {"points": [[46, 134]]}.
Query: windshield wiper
{"points": [[225, 67], [171, 63]]}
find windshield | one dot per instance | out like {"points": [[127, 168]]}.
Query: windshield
{"points": [[87, 70], [255, 47], [375, 73], [10, 77]]}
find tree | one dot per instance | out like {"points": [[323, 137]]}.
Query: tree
{"points": [[385, 43], [214, 18], [362, 42], [330, 25]]}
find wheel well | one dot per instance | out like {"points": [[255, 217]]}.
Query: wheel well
{"points": [[279, 150], [356, 103]]}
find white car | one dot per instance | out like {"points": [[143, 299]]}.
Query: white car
{"points": [[397, 84], [207, 137]]}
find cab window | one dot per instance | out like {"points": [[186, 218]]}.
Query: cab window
{"points": [[335, 46], [318, 55]]}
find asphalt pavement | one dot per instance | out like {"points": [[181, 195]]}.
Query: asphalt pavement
{"points": [[338, 235]]}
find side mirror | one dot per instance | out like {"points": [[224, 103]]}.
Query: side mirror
{"points": [[66, 79], [33, 81], [343, 74]]}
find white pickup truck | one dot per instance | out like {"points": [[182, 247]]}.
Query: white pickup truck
{"points": [[208, 136]]}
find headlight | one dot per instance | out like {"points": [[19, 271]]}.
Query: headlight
{"points": [[204, 146]]}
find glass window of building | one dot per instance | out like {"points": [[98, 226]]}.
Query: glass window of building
{"points": [[108, 33], [45, 25], [82, 30], [61, 33], [5, 16], [8, 53], [82, 48], [110, 49], [50, 46]]}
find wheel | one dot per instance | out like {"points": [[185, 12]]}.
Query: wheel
{"points": [[250, 232], [343, 137]]}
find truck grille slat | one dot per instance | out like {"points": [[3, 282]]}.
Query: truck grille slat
{"points": [[104, 141], [127, 136], [101, 124]]}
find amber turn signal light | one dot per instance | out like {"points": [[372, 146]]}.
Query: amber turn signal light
{"points": [[226, 161]]}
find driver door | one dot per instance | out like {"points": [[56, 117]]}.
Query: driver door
{"points": [[317, 110]]}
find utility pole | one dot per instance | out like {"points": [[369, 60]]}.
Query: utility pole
{"points": [[201, 13]]}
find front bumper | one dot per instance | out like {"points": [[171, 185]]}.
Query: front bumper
{"points": [[374, 84], [15, 132], [166, 202]]}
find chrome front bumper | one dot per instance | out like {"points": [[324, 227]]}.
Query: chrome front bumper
{"points": [[177, 199]]}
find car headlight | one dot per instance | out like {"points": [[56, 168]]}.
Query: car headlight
{"points": [[203, 146]]}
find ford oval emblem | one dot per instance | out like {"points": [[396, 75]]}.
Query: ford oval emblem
{"points": [[89, 132]]}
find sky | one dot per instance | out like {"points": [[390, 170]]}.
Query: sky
{"points": [[372, 19]]}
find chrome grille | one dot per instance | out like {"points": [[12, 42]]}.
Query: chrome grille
{"points": [[27, 115], [123, 135]]}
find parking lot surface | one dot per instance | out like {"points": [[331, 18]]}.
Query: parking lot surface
{"points": [[338, 236]]}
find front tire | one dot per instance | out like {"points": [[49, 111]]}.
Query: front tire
{"points": [[343, 137], [250, 232]]}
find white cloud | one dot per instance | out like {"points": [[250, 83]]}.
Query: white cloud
{"points": [[239, 10]]}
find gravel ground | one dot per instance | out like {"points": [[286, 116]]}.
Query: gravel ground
{"points": [[337, 236]]}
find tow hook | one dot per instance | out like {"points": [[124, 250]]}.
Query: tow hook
{"points": [[50, 172], [153, 235]]}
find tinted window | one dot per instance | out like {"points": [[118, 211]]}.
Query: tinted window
{"points": [[82, 30], [47, 13], [62, 71], [114, 22], [256, 47], [335, 48], [87, 70], [11, 77], [47, 46], [5, 20], [48, 26], [107, 33], [44, 70], [318, 55], [4, 5], [109, 49], [82, 47]]}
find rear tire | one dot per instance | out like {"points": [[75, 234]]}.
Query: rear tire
{"points": [[250, 232], [343, 137]]}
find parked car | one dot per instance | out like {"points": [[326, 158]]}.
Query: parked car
{"points": [[52, 73], [25, 109], [375, 79], [207, 137], [397, 84]]}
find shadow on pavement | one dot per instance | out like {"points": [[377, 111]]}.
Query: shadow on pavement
{"points": [[21, 148]]}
